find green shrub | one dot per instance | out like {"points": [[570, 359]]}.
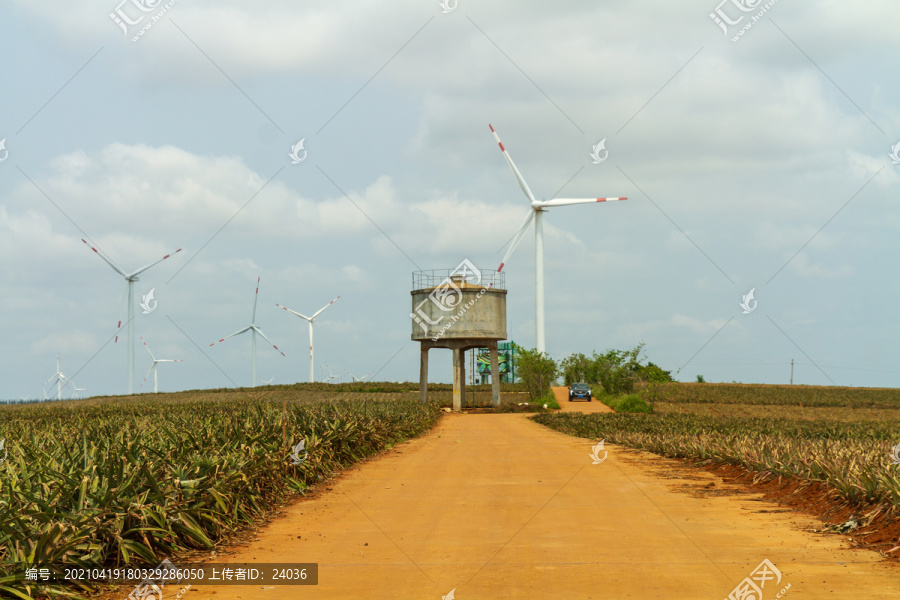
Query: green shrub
{"points": [[632, 403], [537, 371]]}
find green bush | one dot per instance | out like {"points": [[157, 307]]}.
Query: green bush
{"points": [[652, 373], [628, 403], [537, 371], [632, 403]]}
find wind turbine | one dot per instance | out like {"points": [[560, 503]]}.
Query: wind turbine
{"points": [[358, 379], [130, 278], [253, 328], [75, 392], [538, 207], [58, 378], [153, 370], [311, 320], [330, 374]]}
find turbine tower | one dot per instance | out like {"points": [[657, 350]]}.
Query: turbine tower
{"points": [[538, 207], [130, 278], [58, 378], [311, 320], [153, 370], [253, 328]]}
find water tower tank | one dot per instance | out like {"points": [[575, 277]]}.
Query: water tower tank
{"points": [[459, 309]]}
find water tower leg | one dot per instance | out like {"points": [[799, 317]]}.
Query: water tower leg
{"points": [[423, 374], [458, 381], [462, 377], [495, 376]]}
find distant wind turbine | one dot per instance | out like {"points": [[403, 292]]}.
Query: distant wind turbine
{"points": [[253, 328], [58, 378], [358, 379], [311, 320], [536, 212], [330, 374], [130, 278], [153, 370]]}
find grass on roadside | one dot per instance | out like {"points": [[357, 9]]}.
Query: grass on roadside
{"points": [[549, 399], [622, 403]]}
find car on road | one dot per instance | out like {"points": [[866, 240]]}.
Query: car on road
{"points": [[580, 391]]}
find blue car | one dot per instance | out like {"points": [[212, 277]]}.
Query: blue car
{"points": [[580, 391]]}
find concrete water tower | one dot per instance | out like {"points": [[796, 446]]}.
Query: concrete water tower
{"points": [[459, 309]]}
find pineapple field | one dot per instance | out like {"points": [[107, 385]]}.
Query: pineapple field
{"points": [[121, 481], [843, 438], [113, 483]]}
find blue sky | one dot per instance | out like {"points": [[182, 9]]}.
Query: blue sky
{"points": [[758, 164]]}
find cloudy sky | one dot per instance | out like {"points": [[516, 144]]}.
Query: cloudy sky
{"points": [[754, 152]]}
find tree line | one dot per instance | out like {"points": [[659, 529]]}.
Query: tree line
{"points": [[617, 371]]}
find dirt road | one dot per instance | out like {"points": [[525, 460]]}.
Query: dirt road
{"points": [[594, 406], [495, 506]]}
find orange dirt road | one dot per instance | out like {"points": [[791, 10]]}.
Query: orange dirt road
{"points": [[562, 397], [495, 506]]}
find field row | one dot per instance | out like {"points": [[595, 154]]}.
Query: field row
{"points": [[795, 395]]}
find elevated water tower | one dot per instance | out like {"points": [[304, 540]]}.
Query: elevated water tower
{"points": [[459, 309]]}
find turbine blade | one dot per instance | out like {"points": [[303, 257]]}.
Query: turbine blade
{"points": [[247, 328], [568, 201], [294, 311], [255, 298], [124, 312], [517, 238], [153, 366], [142, 269], [259, 331], [148, 348], [512, 166], [324, 307], [106, 258]]}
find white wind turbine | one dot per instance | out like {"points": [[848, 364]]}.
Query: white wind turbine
{"points": [[538, 207], [78, 389], [358, 379], [130, 278], [58, 378], [253, 328], [153, 370], [311, 320], [330, 374]]}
